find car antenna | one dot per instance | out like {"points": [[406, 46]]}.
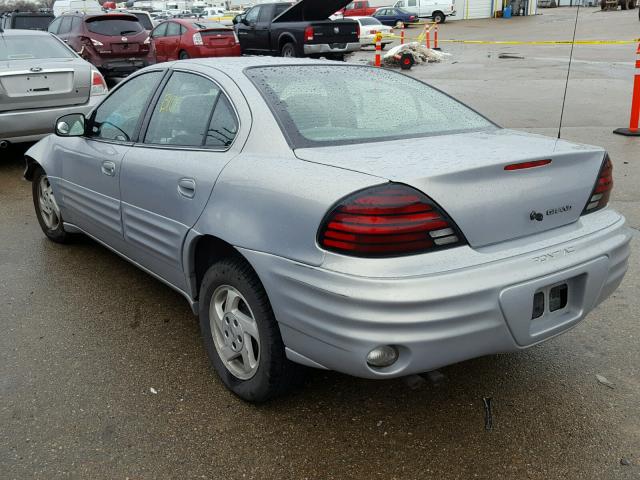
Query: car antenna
{"points": [[566, 85]]}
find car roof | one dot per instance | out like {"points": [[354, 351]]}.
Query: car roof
{"points": [[236, 65]]}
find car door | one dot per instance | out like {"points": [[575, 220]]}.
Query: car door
{"points": [[159, 40], [247, 29], [172, 40], [167, 178], [91, 164]]}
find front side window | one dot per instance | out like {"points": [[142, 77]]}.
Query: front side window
{"points": [[119, 115], [160, 31], [65, 26], [332, 105], [54, 26], [181, 116], [252, 15], [173, 29]]}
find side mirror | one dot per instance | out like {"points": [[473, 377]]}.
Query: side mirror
{"points": [[244, 21], [72, 125], [236, 19]]}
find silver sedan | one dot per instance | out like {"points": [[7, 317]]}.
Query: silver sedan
{"points": [[41, 79], [308, 221]]}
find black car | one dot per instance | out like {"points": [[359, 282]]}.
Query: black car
{"points": [[301, 29], [26, 20]]}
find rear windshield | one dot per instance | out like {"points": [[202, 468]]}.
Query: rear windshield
{"points": [[32, 23], [144, 20], [36, 46], [332, 105], [369, 21], [114, 26], [204, 25]]}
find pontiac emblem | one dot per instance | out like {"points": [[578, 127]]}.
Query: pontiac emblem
{"points": [[536, 216], [36, 69], [336, 30]]}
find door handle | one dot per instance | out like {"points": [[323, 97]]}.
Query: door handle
{"points": [[187, 187], [108, 168]]}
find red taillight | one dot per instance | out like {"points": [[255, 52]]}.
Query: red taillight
{"points": [[308, 34], [523, 165], [358, 30], [98, 85], [386, 221], [602, 190]]}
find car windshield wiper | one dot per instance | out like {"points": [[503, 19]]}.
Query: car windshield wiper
{"points": [[124, 32]]}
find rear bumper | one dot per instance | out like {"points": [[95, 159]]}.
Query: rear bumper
{"points": [[122, 68], [32, 125], [332, 320], [324, 48], [206, 52]]}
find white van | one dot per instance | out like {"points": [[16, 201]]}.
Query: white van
{"points": [[84, 6], [438, 10]]}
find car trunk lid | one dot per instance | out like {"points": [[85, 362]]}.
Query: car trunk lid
{"points": [[31, 84], [465, 174], [221, 37]]}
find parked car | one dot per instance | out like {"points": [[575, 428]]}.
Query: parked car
{"points": [[369, 28], [116, 43], [26, 20], [437, 10], [144, 18], [395, 17], [41, 79], [308, 220], [358, 8], [179, 39], [301, 29]]}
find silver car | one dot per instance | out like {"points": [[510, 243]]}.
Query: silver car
{"points": [[308, 221], [41, 79]]}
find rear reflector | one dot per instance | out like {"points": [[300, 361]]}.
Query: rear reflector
{"points": [[385, 221], [523, 165], [602, 190]]}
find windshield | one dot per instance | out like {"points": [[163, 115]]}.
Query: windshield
{"points": [[36, 46], [114, 26], [369, 21], [144, 20], [330, 105], [32, 22]]}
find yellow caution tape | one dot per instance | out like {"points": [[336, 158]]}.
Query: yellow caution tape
{"points": [[542, 42]]}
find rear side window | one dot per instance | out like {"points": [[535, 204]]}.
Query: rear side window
{"points": [[32, 46], [182, 113], [331, 105], [224, 125], [65, 26], [144, 21], [114, 26]]}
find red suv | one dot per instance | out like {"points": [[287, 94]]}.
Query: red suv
{"points": [[193, 38], [115, 43]]}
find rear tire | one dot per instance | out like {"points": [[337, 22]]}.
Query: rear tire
{"points": [[183, 55], [255, 369], [288, 50], [439, 17], [47, 210]]}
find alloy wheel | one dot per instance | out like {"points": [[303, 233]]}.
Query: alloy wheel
{"points": [[49, 209], [235, 332]]}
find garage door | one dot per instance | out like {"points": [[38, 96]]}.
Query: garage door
{"points": [[477, 9]]}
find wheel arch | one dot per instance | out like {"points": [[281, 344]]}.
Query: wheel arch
{"points": [[31, 166], [286, 38]]}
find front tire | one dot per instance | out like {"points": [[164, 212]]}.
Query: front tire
{"points": [[47, 209], [241, 334], [439, 17], [183, 55]]}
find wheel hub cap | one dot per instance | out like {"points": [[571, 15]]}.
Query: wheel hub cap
{"points": [[49, 209]]}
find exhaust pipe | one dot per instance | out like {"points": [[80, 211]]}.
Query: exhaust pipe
{"points": [[3, 144]]}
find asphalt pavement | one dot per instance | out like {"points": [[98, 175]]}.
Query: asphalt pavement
{"points": [[103, 375]]}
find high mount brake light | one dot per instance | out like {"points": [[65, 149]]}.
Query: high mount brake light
{"points": [[524, 165], [602, 190], [388, 220]]}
